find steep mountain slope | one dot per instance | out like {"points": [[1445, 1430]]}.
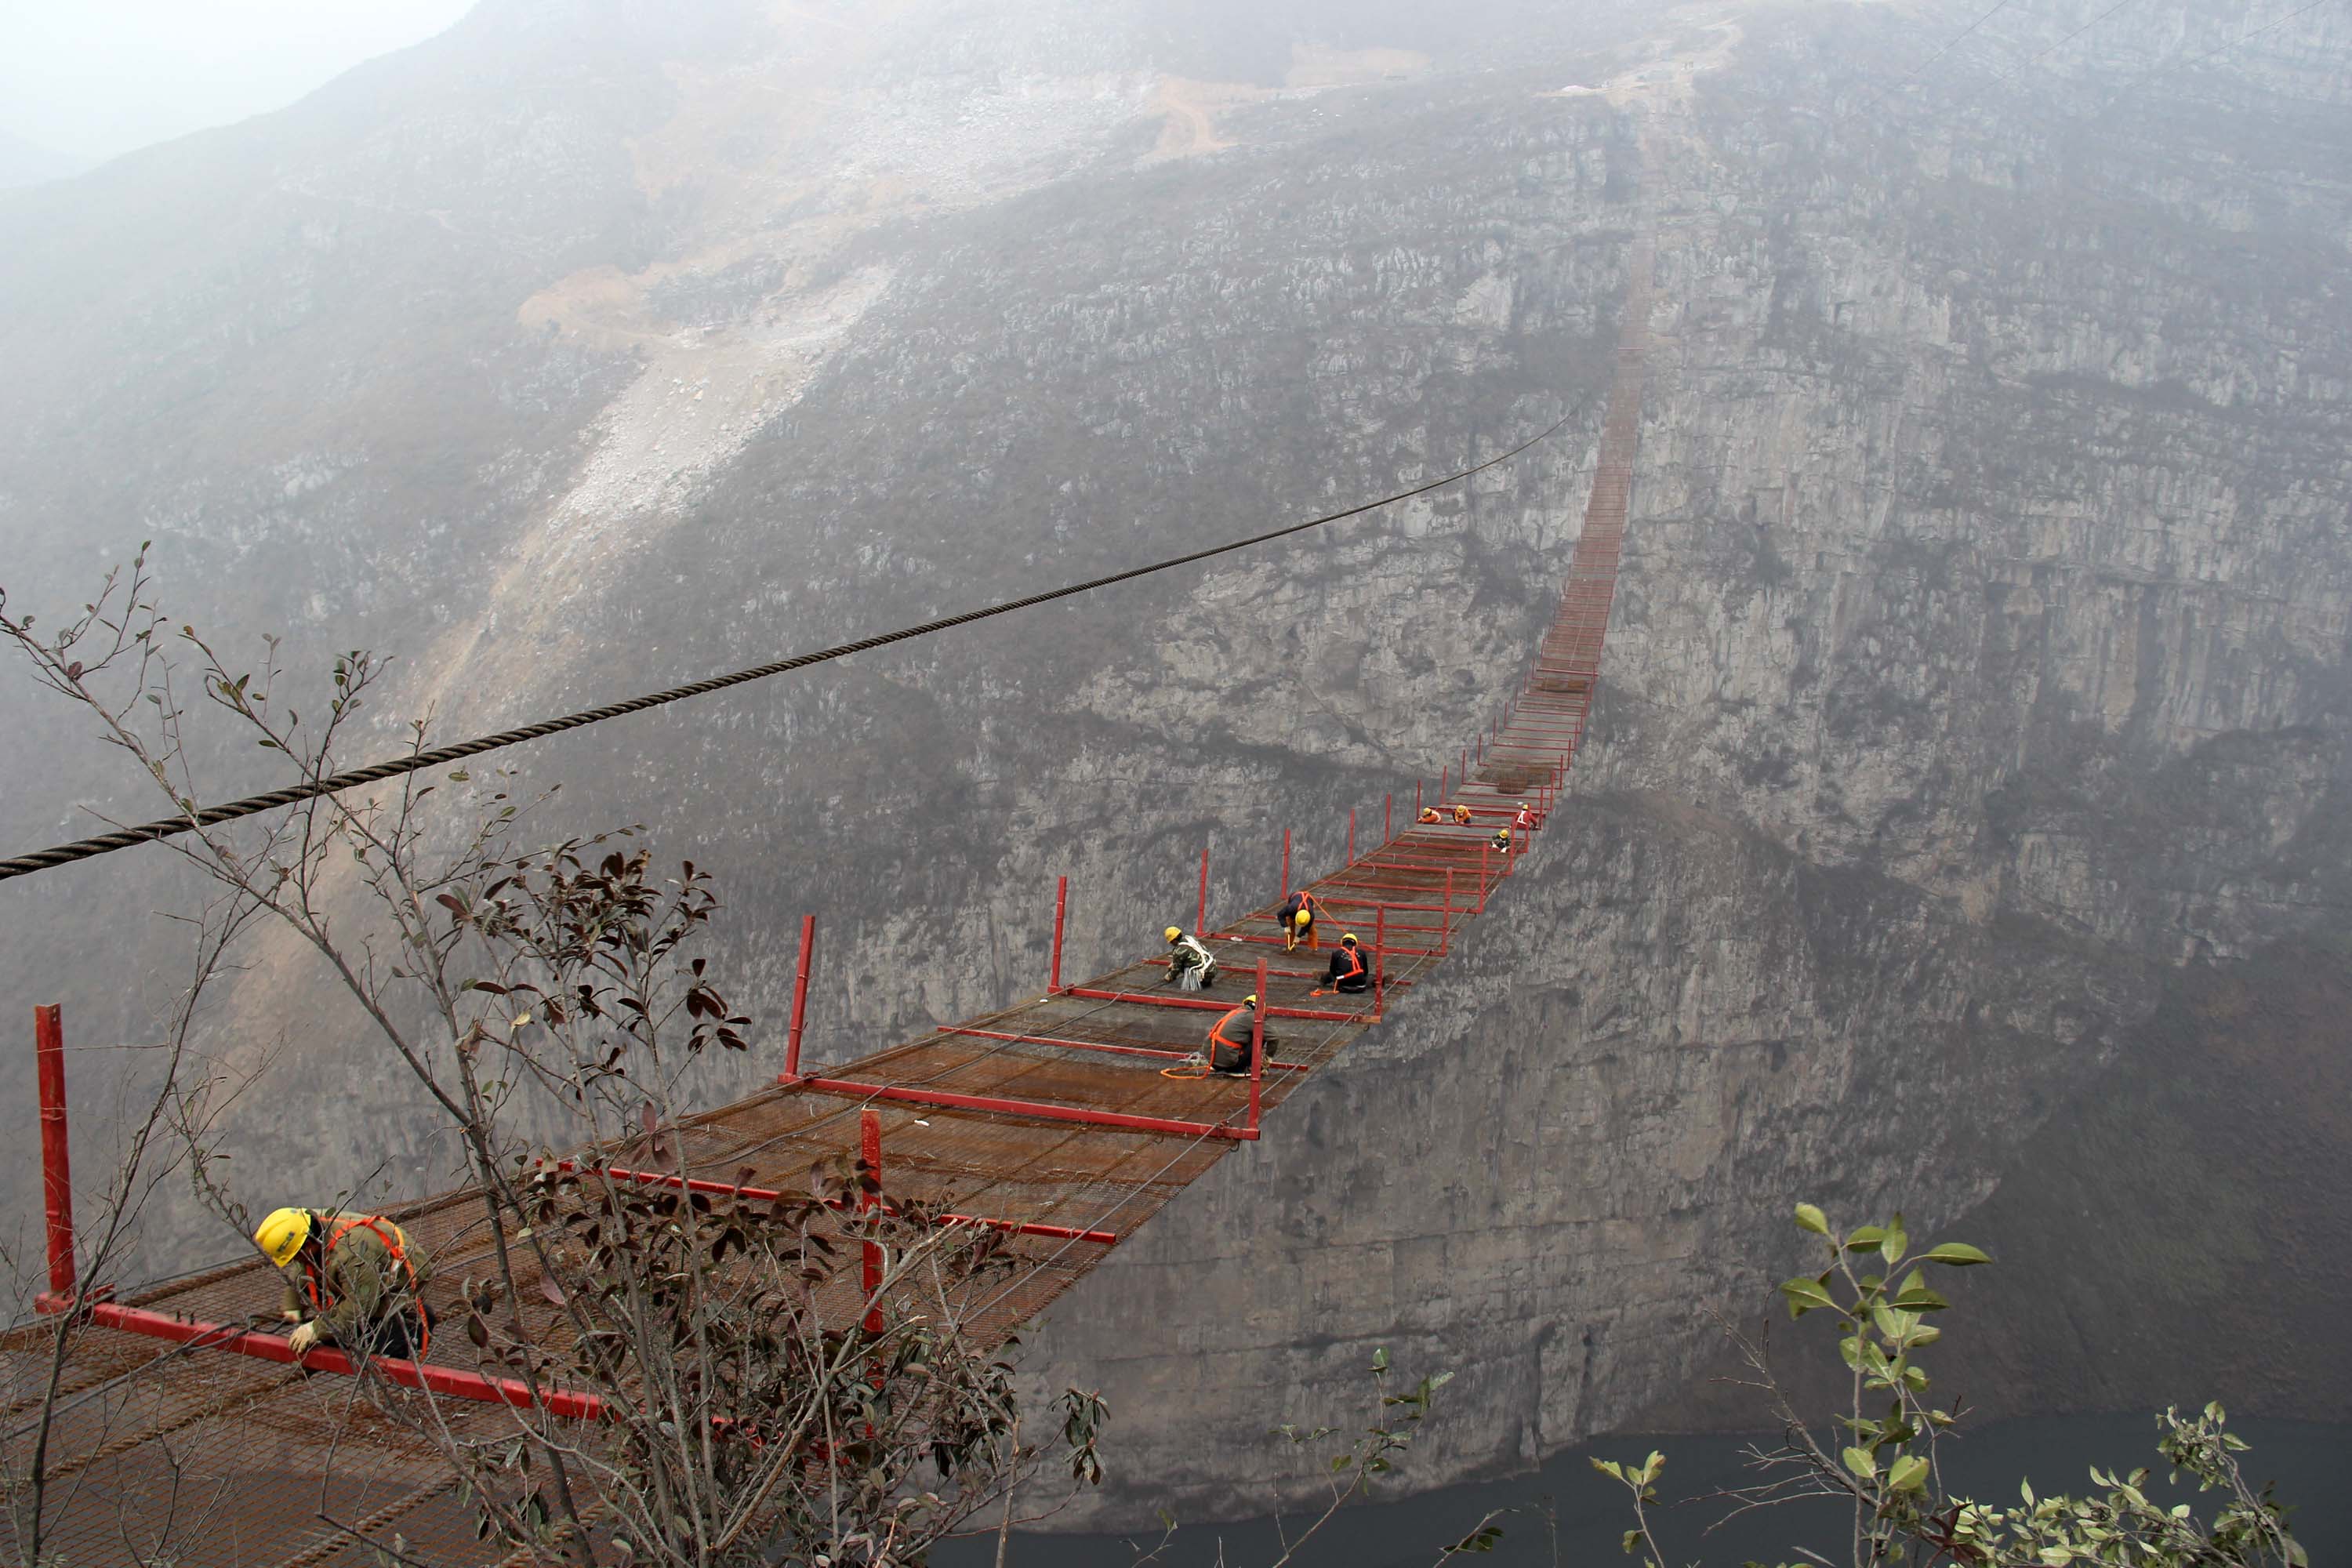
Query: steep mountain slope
{"points": [[1980, 647]]}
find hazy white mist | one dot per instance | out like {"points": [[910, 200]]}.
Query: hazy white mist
{"points": [[92, 79]]}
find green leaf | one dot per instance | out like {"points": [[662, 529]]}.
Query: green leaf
{"points": [[1609, 1468], [1891, 1247], [1812, 1219], [1909, 1474], [1804, 1294], [1633, 1539], [1863, 1239], [1380, 1359], [1958, 1254], [1862, 1462]]}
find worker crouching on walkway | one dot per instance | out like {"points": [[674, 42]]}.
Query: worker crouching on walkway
{"points": [[1229, 1041], [1191, 966], [1429, 815], [1502, 839], [1346, 973], [351, 1280], [1461, 815]]}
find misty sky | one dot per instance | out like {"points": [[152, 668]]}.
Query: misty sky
{"points": [[98, 78]]}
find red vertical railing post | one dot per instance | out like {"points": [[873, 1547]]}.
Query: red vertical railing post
{"points": [[1285, 863], [869, 1198], [800, 998], [1445, 937], [1061, 910], [1442, 776], [1257, 1046], [1416, 800], [1387, 816], [1352, 836], [1380, 960], [56, 1174], [1201, 919]]}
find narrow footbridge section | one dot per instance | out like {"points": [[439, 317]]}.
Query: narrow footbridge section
{"points": [[1056, 1121]]}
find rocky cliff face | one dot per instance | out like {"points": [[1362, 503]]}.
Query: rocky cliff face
{"points": [[1979, 652], [1979, 659]]}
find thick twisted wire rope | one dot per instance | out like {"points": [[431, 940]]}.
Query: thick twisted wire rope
{"points": [[334, 784]]}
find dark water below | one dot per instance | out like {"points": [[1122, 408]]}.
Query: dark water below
{"points": [[2312, 1464]]}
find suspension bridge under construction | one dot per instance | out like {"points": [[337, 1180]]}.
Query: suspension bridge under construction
{"points": [[1050, 1120]]}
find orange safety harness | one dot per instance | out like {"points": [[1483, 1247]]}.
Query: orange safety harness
{"points": [[395, 1242], [1205, 1063]]}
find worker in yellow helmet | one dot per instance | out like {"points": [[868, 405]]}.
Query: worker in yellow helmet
{"points": [[1502, 839], [351, 1280], [1229, 1040], [1428, 815], [1191, 966], [1346, 973], [1461, 815], [1296, 919]]}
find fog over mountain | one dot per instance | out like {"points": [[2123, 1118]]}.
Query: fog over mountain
{"points": [[1968, 822], [24, 162]]}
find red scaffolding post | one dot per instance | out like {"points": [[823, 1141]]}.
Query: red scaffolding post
{"points": [[1061, 909], [800, 999], [1445, 943], [1379, 961], [869, 1198], [1388, 812], [56, 1175], [1416, 800], [1257, 1048], [1200, 918]]}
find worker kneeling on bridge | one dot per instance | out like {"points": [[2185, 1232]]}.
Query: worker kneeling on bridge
{"points": [[1502, 839], [1429, 815], [1346, 973], [1228, 1042], [1461, 815], [1190, 964], [350, 1281]]}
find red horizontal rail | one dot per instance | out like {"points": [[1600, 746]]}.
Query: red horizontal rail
{"points": [[1393, 951], [1039, 1109], [1276, 974], [1198, 1003], [449, 1380], [767, 1195], [1174, 1054]]}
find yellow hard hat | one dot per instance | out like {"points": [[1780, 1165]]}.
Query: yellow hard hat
{"points": [[1302, 917], [1506, 833], [282, 1236], [1349, 939], [1173, 932], [1250, 1000]]}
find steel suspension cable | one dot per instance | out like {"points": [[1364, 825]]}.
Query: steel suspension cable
{"points": [[334, 784]]}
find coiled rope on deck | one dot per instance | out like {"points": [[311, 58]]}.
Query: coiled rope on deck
{"points": [[440, 756]]}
